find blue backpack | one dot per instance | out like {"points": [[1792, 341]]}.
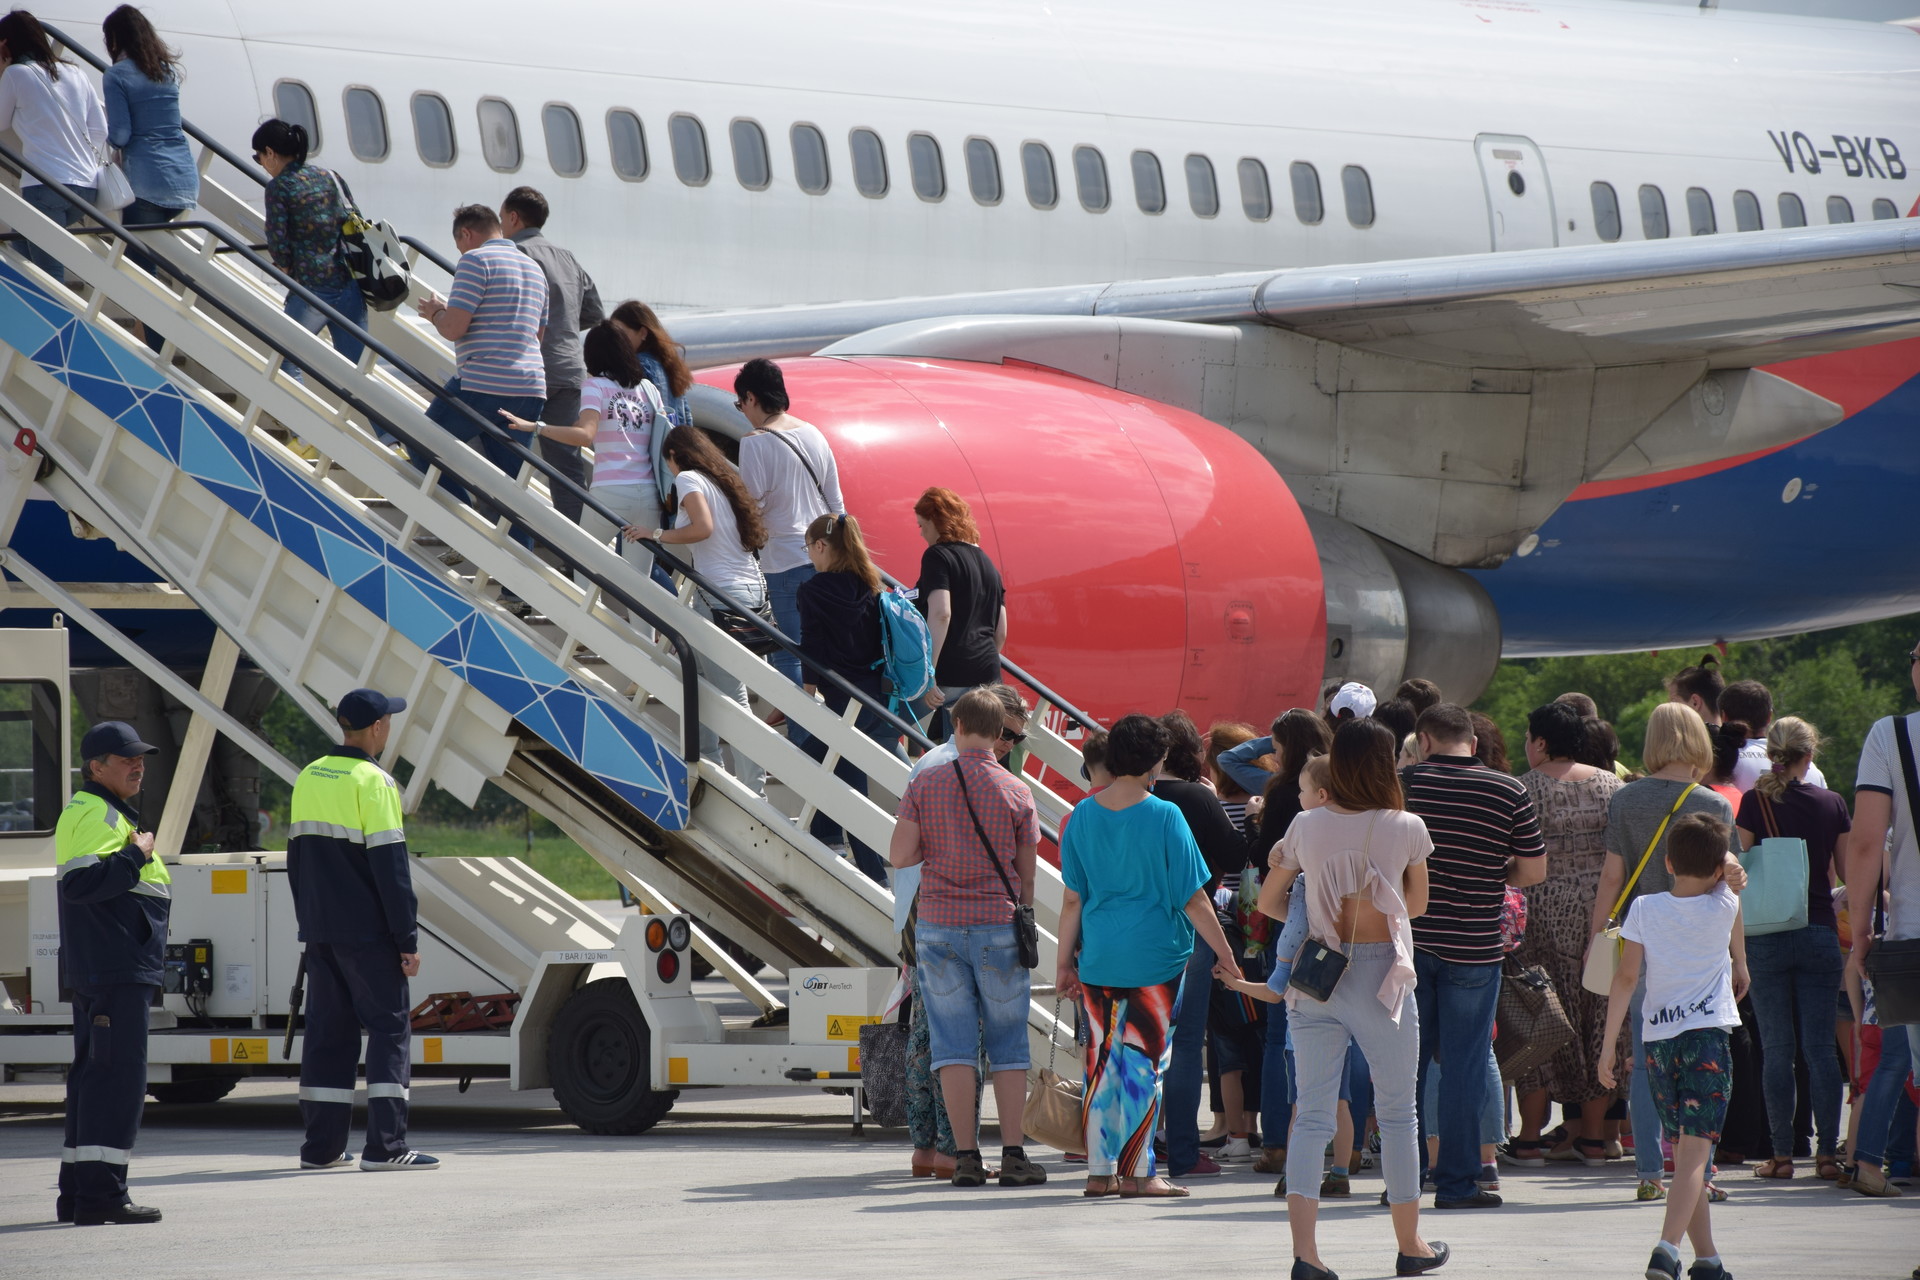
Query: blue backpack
{"points": [[907, 642]]}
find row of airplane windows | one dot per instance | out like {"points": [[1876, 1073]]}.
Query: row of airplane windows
{"points": [[1702, 220], [369, 139]]}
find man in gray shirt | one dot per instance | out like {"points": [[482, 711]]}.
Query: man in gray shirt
{"points": [[573, 304]]}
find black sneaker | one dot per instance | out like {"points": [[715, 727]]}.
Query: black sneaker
{"points": [[128, 1213], [1663, 1266], [1708, 1271], [969, 1170], [1478, 1200], [1018, 1171]]}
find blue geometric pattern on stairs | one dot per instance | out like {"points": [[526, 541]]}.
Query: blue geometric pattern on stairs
{"points": [[474, 643]]}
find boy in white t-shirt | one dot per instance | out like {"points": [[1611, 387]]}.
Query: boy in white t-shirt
{"points": [[1696, 959]]}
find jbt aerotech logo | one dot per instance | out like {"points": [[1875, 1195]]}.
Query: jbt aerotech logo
{"points": [[820, 986]]}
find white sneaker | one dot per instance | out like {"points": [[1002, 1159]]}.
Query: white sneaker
{"points": [[405, 1160], [1237, 1151]]}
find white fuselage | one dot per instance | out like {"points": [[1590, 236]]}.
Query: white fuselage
{"points": [[1436, 100]]}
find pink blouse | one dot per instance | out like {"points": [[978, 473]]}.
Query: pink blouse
{"points": [[1346, 855]]}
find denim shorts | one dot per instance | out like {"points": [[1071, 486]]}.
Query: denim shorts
{"points": [[975, 990]]}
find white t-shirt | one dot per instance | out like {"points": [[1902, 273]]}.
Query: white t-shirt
{"points": [[1689, 970], [789, 499], [1753, 762], [1880, 771], [61, 123], [720, 558]]}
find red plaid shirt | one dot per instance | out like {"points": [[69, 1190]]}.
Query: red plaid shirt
{"points": [[958, 886]]}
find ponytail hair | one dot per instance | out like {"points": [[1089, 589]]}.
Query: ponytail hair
{"points": [[289, 140], [1790, 741], [846, 548]]}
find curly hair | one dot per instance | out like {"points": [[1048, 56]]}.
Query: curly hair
{"points": [[692, 449], [949, 515], [1186, 753]]}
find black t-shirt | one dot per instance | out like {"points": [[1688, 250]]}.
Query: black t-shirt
{"points": [[840, 626], [969, 655], [1813, 814], [1221, 843]]}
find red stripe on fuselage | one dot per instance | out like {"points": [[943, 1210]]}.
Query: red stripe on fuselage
{"points": [[1854, 380]]}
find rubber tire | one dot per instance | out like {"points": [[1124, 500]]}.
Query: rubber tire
{"points": [[183, 1093], [598, 1056]]}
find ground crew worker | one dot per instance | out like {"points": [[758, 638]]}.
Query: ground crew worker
{"points": [[113, 903], [353, 897]]}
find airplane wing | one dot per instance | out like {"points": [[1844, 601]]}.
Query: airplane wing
{"points": [[1731, 301]]}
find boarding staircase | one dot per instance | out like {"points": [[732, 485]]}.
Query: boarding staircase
{"points": [[334, 562]]}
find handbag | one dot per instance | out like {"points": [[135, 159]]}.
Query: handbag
{"points": [[111, 190], [1775, 899], [1603, 954], [1055, 1113], [1317, 969], [372, 254], [883, 1071], [1532, 1023], [1894, 965], [739, 628], [1026, 931]]}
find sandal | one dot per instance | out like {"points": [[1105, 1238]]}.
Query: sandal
{"points": [[1827, 1168], [1109, 1187], [1779, 1168], [1715, 1195], [1154, 1188]]}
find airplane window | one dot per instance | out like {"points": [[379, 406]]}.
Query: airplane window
{"points": [[1653, 213], [1359, 192], [1839, 209], [293, 102], [566, 146], [869, 163], [1306, 192], [1256, 197], [983, 171], [1090, 176], [810, 167], [1884, 209], [1203, 193], [689, 140], [1606, 211], [627, 140], [1792, 212], [1700, 219], [1746, 212], [750, 161], [499, 135], [929, 170], [1036, 162], [1149, 189], [433, 129], [366, 125]]}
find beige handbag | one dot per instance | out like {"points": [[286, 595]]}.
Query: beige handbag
{"points": [[1055, 1106], [1603, 954]]}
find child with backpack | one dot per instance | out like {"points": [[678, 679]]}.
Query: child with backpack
{"points": [[1695, 952]]}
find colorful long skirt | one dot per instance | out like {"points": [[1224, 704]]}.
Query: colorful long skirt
{"points": [[1127, 1055]]}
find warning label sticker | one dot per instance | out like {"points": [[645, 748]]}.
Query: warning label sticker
{"points": [[237, 1051], [846, 1026]]}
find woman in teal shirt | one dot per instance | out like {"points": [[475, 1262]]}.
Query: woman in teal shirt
{"points": [[1136, 893]]}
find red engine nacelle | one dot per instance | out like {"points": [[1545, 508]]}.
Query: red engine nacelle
{"points": [[1152, 559]]}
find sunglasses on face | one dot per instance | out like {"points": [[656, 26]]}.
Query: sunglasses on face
{"points": [[1011, 735]]}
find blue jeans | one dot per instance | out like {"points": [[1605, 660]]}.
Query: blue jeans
{"points": [[445, 415], [975, 991], [1185, 1072], [147, 213], [784, 589], [1457, 1003], [1493, 1113], [1643, 1114], [1803, 966], [55, 206], [824, 828], [1276, 1081], [1883, 1091], [348, 303]]}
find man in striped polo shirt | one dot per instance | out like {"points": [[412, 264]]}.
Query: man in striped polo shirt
{"points": [[1485, 837], [496, 316]]}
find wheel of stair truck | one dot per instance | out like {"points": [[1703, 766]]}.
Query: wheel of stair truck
{"points": [[597, 1058], [192, 1091]]}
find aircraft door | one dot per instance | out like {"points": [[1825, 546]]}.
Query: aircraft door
{"points": [[1519, 198]]}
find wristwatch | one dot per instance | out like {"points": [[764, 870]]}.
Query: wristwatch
{"points": [[658, 534]]}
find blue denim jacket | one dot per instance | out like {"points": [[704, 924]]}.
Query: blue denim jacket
{"points": [[143, 120], [676, 409], [1238, 763]]}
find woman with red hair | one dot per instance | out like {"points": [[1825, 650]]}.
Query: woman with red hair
{"points": [[962, 597]]}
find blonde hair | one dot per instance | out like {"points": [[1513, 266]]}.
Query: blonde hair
{"points": [[1789, 741], [846, 548], [1317, 773], [1677, 735]]}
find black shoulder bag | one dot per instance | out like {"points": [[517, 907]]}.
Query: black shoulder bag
{"points": [[1317, 969], [1894, 965], [1026, 933]]}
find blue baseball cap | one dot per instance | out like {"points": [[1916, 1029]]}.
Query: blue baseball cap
{"points": [[362, 707], [113, 738]]}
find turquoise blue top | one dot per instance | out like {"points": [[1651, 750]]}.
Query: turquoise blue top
{"points": [[1134, 871]]}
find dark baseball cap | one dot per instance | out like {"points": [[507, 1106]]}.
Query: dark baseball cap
{"points": [[113, 738], [362, 707]]}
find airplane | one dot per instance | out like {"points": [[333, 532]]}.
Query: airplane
{"points": [[1275, 344]]}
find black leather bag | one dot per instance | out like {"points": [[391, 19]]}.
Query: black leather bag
{"points": [[736, 625], [1026, 930], [1894, 966], [1317, 969]]}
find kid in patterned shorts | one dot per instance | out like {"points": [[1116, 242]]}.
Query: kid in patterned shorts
{"points": [[1696, 960]]}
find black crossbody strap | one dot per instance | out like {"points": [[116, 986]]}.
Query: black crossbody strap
{"points": [[981, 831], [812, 475], [1912, 779]]}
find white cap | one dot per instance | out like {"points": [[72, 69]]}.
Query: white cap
{"points": [[1353, 697]]}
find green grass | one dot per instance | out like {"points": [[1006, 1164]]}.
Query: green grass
{"points": [[553, 856]]}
